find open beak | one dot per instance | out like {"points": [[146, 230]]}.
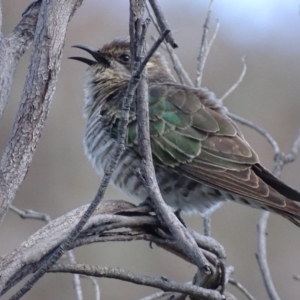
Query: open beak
{"points": [[99, 58]]}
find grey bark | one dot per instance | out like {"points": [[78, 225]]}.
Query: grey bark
{"points": [[51, 25]]}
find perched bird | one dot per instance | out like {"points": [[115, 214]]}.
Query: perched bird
{"points": [[201, 157]]}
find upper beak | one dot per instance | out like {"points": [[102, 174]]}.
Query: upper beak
{"points": [[96, 55]]}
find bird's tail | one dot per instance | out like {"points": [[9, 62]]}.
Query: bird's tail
{"points": [[290, 211]]}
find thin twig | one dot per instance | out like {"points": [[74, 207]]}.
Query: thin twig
{"points": [[238, 82], [241, 288], [203, 47], [162, 22], [37, 94], [206, 53], [76, 277], [259, 129], [292, 154], [280, 160], [13, 47], [261, 256], [179, 69], [296, 277], [157, 295], [1, 20], [117, 273], [95, 285], [207, 225], [31, 214], [178, 230]]}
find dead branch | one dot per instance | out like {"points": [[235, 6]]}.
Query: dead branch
{"points": [[203, 48], [117, 273], [162, 22], [13, 47], [111, 215], [51, 26], [238, 82]]}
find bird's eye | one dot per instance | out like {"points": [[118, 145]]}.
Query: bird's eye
{"points": [[124, 58]]}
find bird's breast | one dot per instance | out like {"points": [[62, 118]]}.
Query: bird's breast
{"points": [[179, 191]]}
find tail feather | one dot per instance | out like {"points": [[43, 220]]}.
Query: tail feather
{"points": [[276, 183], [291, 211]]}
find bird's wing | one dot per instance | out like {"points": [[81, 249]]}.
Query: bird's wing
{"points": [[204, 144]]}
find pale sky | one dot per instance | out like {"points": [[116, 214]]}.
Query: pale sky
{"points": [[261, 17]]}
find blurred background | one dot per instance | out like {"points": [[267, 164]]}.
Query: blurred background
{"points": [[61, 178]]}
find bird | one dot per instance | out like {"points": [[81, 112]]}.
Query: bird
{"points": [[201, 157]]}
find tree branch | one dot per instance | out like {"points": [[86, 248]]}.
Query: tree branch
{"points": [[0, 20], [203, 48], [280, 160], [37, 95], [111, 215], [162, 23], [259, 129], [157, 295], [117, 273], [178, 230], [105, 181], [76, 277], [180, 71], [12, 48], [31, 214], [241, 288], [95, 285], [238, 82]]}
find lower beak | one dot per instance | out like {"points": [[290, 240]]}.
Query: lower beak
{"points": [[99, 58]]}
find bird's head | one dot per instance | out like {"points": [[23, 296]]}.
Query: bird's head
{"points": [[110, 70], [112, 62]]}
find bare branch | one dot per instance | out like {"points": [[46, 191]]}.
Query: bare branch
{"points": [[95, 285], [105, 181], [117, 273], [207, 225], [241, 288], [36, 99], [259, 129], [261, 256], [180, 71], [280, 160], [111, 215], [157, 295], [162, 22], [238, 82], [292, 155], [162, 210], [206, 53], [12, 48], [31, 214], [76, 277], [296, 277], [49, 237], [0, 19], [203, 48]]}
